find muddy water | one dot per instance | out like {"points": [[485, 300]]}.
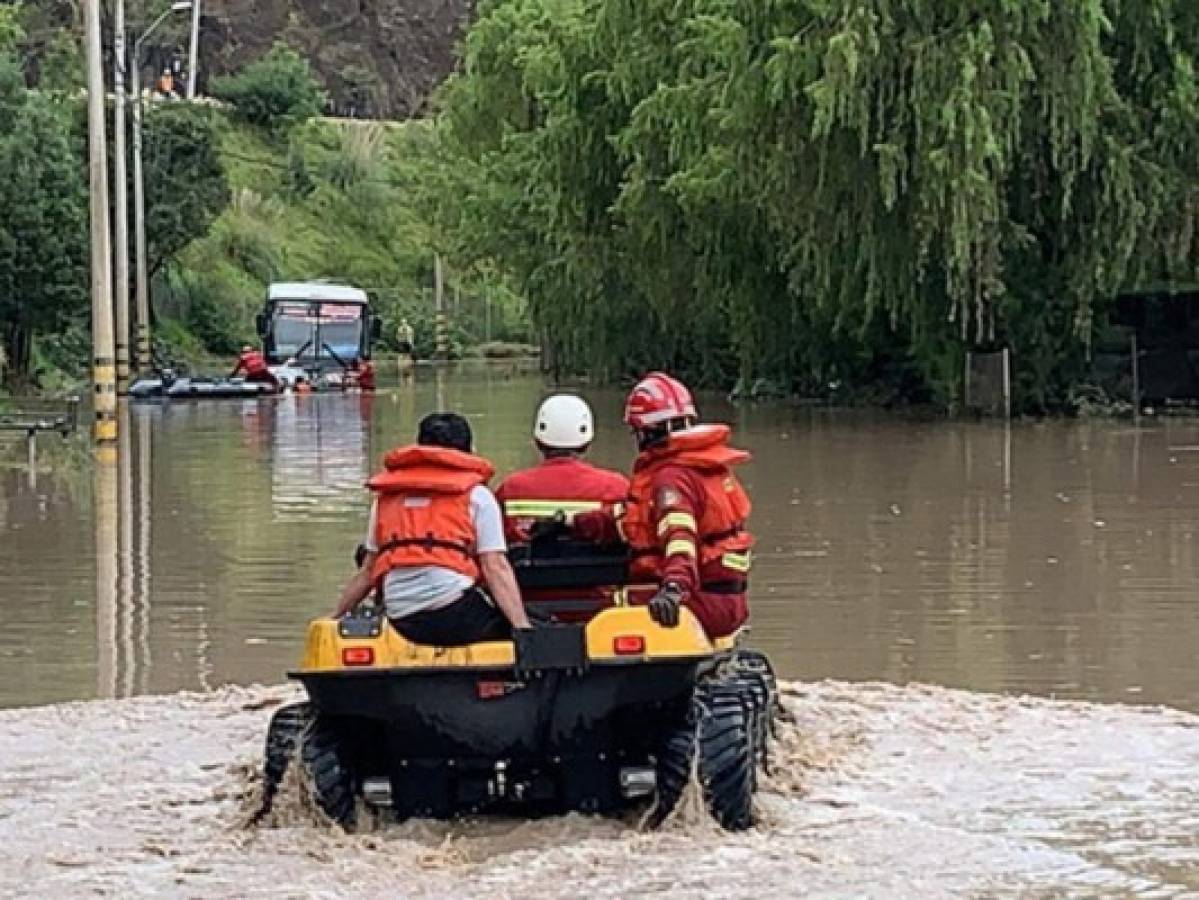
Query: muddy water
{"points": [[1054, 559], [1059, 559]]}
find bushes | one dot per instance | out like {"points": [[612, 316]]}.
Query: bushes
{"points": [[275, 92]]}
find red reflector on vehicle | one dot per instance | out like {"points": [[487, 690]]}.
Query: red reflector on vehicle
{"points": [[357, 656], [628, 644], [489, 690]]}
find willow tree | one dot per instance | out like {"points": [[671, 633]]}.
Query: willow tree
{"points": [[831, 189]]}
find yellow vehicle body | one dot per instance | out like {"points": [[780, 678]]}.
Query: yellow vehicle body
{"points": [[610, 637]]}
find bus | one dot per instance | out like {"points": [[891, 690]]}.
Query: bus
{"points": [[318, 325]]}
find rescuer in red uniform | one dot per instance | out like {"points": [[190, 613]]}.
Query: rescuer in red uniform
{"points": [[563, 482], [686, 513], [253, 363], [361, 375]]}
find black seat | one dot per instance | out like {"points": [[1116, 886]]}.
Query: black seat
{"points": [[569, 564]]}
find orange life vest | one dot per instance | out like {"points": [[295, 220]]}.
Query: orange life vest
{"points": [[724, 543], [424, 517]]}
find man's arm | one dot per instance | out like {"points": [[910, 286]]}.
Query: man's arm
{"points": [[493, 557], [358, 587], [501, 580], [675, 512]]}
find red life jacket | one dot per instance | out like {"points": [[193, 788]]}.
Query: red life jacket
{"points": [[253, 363], [423, 516], [724, 543], [564, 483]]}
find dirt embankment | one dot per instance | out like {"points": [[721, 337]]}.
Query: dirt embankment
{"points": [[380, 58]]}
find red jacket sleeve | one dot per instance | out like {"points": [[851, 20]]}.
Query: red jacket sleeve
{"points": [[676, 505]]}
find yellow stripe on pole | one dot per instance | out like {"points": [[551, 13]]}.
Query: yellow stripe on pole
{"points": [[676, 520]]}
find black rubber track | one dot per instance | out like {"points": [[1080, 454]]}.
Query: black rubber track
{"points": [[751, 695], [726, 759], [283, 736], [676, 757], [330, 779], [720, 729]]}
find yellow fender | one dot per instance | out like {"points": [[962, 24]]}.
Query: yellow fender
{"points": [[621, 633]]}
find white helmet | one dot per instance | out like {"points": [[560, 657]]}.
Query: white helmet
{"points": [[564, 423]]}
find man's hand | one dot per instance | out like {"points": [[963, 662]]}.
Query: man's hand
{"points": [[664, 607]]}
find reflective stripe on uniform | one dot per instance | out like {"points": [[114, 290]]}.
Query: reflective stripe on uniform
{"points": [[676, 520], [680, 545], [738, 562], [545, 509]]}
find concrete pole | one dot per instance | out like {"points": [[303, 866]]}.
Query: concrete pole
{"points": [[104, 428], [142, 305], [121, 200], [104, 506], [193, 59]]}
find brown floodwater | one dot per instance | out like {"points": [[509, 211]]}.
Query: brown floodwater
{"points": [[944, 599], [1055, 558]]}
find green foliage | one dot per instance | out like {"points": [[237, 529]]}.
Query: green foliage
{"points": [[186, 188], [827, 191], [43, 220], [11, 30], [276, 92]]}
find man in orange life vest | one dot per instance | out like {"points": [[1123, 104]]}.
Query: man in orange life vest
{"points": [[253, 363], [435, 539], [686, 512], [563, 483]]}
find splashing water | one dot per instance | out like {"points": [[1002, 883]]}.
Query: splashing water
{"points": [[875, 790]]}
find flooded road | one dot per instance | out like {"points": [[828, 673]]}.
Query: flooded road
{"points": [[1048, 559], [1055, 558]]}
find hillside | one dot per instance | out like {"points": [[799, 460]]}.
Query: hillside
{"points": [[346, 201], [377, 58]]}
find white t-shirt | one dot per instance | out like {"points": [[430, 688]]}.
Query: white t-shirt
{"points": [[414, 589]]}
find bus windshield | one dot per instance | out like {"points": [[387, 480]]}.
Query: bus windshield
{"points": [[310, 330]]}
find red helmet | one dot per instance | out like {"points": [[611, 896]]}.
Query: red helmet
{"points": [[655, 399]]}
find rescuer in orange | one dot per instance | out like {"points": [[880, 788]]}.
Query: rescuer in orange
{"points": [[253, 363], [563, 484], [686, 513], [435, 549], [361, 374]]}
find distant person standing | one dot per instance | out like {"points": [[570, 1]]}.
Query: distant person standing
{"points": [[405, 339], [166, 85]]}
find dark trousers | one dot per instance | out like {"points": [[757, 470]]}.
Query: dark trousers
{"points": [[472, 618]]}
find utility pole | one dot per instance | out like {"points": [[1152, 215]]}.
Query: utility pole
{"points": [[440, 331], [139, 194], [193, 60], [142, 318], [121, 199], [104, 428]]}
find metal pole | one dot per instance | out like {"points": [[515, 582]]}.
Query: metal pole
{"points": [[121, 200], [142, 318], [103, 368], [440, 330], [193, 60]]}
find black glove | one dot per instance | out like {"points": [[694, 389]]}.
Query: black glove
{"points": [[664, 607], [549, 529]]}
